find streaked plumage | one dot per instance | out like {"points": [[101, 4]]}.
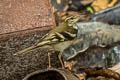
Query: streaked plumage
{"points": [[59, 38]]}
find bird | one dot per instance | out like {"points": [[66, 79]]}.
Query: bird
{"points": [[58, 38]]}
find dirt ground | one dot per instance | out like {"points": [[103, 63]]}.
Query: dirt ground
{"points": [[17, 67]]}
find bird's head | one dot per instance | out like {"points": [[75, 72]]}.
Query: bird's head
{"points": [[72, 19]]}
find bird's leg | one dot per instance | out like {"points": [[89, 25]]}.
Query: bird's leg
{"points": [[60, 58], [49, 61]]}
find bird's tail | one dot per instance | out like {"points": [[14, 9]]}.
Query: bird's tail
{"points": [[32, 47]]}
